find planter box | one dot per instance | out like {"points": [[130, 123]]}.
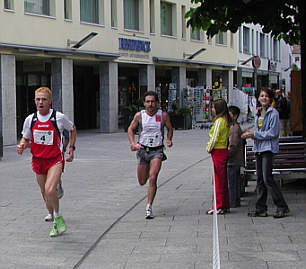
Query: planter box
{"points": [[183, 122]]}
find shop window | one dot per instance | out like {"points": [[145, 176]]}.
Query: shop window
{"points": [[131, 14], [221, 38], [68, 9], [40, 7], [92, 11], [9, 4], [167, 18], [114, 22]]}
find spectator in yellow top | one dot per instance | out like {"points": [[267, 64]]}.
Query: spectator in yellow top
{"points": [[217, 147]]}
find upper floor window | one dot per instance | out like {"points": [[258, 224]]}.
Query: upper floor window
{"points": [[221, 38], [195, 34], [166, 18], [114, 22], [183, 22], [131, 14], [41, 7], [246, 40], [9, 4], [152, 16], [275, 49], [67, 9], [92, 11], [262, 45]]}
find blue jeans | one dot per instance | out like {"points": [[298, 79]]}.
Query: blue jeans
{"points": [[265, 183], [233, 176]]}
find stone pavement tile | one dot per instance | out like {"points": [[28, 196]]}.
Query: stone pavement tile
{"points": [[233, 265], [281, 247], [98, 264], [119, 235], [164, 265], [286, 265], [144, 258], [264, 256]]}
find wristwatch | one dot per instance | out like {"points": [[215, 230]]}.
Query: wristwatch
{"points": [[73, 147]]}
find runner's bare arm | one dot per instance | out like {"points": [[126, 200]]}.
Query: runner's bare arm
{"points": [[134, 146], [72, 139], [23, 144], [168, 125]]}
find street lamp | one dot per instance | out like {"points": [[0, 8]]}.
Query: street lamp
{"points": [[191, 56], [81, 42]]}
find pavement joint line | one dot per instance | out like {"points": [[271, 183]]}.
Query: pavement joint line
{"points": [[93, 246]]}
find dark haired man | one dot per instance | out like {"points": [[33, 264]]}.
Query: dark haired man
{"points": [[151, 122]]}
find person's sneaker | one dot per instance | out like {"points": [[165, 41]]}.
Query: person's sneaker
{"points": [[258, 214], [149, 213], [209, 211], [59, 190], [49, 217], [61, 225], [54, 232], [281, 213]]}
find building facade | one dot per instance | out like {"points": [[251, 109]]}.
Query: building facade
{"points": [[99, 57], [259, 59]]}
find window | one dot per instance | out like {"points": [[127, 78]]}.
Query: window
{"points": [[240, 39], [152, 17], [166, 15], [275, 49], [131, 14], [92, 11], [221, 38], [41, 7], [67, 10], [232, 40], [114, 22], [195, 34], [183, 22], [246, 40], [9, 4], [262, 45]]}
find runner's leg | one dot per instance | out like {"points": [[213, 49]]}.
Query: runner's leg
{"points": [[155, 166], [41, 180], [143, 173]]}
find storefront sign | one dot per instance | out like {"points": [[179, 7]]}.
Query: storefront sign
{"points": [[256, 62], [132, 44]]}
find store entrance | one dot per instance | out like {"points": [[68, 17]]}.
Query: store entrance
{"points": [[86, 97], [163, 80]]}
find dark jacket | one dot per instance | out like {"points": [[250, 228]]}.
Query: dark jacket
{"points": [[236, 146], [281, 105]]}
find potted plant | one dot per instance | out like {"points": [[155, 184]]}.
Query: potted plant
{"points": [[181, 118]]}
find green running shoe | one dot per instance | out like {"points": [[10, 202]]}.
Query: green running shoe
{"points": [[61, 225], [54, 232]]}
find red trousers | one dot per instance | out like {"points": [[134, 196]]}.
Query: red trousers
{"points": [[219, 157]]}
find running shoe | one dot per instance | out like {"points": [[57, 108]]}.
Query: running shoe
{"points": [[281, 213], [220, 211], [61, 225], [54, 232], [59, 190], [49, 217], [149, 213], [262, 214], [209, 211]]}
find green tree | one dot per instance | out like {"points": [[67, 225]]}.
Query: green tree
{"points": [[284, 19]]}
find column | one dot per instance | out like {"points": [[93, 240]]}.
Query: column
{"points": [[230, 84], [209, 78], [202, 77], [8, 125], [108, 72], [147, 79], [62, 86], [178, 76]]}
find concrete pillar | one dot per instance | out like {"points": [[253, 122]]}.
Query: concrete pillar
{"points": [[230, 84], [62, 86], [209, 78], [108, 72], [8, 113], [178, 76], [146, 79]]}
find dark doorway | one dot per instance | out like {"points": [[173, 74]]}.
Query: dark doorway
{"points": [[86, 97]]}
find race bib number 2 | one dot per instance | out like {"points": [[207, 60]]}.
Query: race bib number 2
{"points": [[42, 137]]}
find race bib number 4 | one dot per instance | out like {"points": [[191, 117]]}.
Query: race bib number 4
{"points": [[43, 137]]}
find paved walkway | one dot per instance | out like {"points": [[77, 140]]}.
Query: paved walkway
{"points": [[104, 208]]}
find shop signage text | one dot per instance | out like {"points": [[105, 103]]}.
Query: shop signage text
{"points": [[137, 45]]}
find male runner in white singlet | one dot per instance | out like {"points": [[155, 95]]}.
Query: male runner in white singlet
{"points": [[151, 123]]}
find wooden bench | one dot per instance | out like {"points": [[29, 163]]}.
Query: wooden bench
{"points": [[289, 163]]}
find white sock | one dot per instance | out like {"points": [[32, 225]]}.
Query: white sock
{"points": [[56, 214], [148, 206]]}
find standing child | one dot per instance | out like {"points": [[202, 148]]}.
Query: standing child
{"points": [[235, 157], [217, 147], [266, 137]]}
